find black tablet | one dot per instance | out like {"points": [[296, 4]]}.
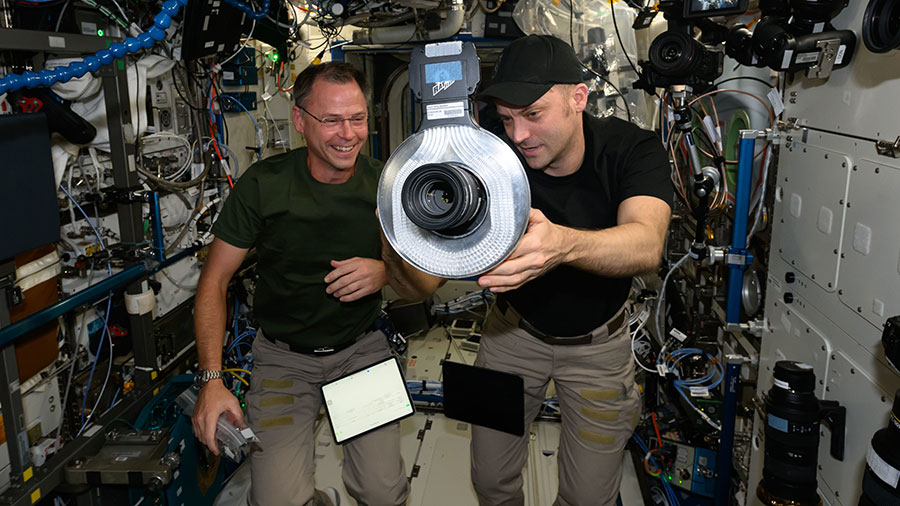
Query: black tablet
{"points": [[484, 397], [366, 400]]}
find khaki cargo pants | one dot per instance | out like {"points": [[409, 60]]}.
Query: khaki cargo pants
{"points": [[600, 406], [283, 402]]}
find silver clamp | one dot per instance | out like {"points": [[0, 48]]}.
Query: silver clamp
{"points": [[789, 124], [717, 254], [888, 148], [756, 327], [828, 53]]}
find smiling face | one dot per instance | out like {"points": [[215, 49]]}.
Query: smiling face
{"points": [[332, 149], [548, 132]]}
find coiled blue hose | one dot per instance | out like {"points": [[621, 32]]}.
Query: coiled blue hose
{"points": [[115, 51]]}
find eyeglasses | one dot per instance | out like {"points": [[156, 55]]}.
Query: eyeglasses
{"points": [[333, 122]]}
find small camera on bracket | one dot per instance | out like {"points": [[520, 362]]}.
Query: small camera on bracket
{"points": [[676, 56]]}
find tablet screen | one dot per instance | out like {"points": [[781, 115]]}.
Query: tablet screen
{"points": [[366, 400], [466, 398]]}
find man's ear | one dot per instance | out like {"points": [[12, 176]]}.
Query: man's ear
{"points": [[297, 118], [579, 97]]}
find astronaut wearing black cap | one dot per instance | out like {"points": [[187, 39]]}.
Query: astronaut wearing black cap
{"points": [[601, 202]]}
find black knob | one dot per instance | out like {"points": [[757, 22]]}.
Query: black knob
{"points": [[156, 484], [789, 277], [788, 297]]}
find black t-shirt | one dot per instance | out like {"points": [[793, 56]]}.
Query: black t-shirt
{"points": [[621, 161]]}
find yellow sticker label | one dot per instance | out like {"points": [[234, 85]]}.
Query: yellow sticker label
{"points": [[153, 375], [27, 474], [36, 495], [155, 391]]}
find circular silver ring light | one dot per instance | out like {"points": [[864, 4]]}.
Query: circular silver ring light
{"points": [[453, 200]]}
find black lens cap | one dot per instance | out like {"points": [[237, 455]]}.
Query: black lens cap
{"points": [[798, 377]]}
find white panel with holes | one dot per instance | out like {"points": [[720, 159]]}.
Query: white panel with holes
{"points": [[793, 337], [870, 279], [809, 209]]}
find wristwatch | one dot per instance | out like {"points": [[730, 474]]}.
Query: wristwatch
{"points": [[204, 376]]}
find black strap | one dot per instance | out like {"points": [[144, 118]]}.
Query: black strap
{"points": [[612, 327]]}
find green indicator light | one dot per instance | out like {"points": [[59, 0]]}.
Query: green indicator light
{"points": [[670, 478], [100, 32]]}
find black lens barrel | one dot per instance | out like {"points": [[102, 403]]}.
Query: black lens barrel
{"points": [[792, 436], [881, 483], [445, 198]]}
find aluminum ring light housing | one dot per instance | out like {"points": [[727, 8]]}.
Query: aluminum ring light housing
{"points": [[491, 237], [453, 199]]}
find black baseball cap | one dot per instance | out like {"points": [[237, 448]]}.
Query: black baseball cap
{"points": [[529, 67]]}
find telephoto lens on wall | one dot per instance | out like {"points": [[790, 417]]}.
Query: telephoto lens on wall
{"points": [[880, 483], [453, 199], [793, 414], [881, 26]]}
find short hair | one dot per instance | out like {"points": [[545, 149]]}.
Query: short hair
{"points": [[333, 72]]}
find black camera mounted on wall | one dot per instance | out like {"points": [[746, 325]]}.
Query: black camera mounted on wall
{"points": [[791, 36], [794, 35]]}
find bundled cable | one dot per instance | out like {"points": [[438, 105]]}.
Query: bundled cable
{"points": [[465, 303], [671, 497], [690, 387]]}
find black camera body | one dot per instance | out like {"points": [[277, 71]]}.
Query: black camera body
{"points": [[676, 57], [794, 36]]}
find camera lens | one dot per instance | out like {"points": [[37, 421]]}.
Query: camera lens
{"points": [[672, 54], [438, 197], [880, 483], [792, 437], [739, 44], [445, 198], [881, 26]]}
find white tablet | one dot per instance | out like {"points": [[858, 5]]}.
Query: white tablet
{"points": [[367, 400]]}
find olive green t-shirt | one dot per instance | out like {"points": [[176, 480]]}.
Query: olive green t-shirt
{"points": [[298, 226]]}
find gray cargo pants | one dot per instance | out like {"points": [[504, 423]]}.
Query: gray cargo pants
{"points": [[600, 406], [283, 402]]}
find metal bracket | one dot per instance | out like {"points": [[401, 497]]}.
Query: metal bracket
{"points": [[742, 259], [735, 358], [888, 148], [755, 327], [789, 124], [828, 51]]}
